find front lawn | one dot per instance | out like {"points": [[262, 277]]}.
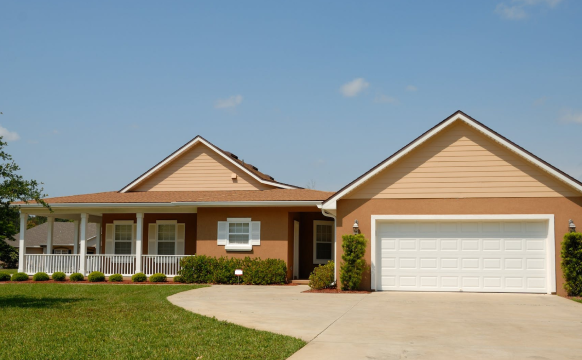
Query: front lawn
{"points": [[66, 321], [10, 271]]}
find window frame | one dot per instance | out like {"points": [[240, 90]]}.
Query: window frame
{"points": [[130, 241], [60, 251], [332, 243], [175, 241], [238, 246]]}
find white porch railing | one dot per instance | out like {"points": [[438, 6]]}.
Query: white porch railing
{"points": [[51, 263], [165, 264], [111, 264]]}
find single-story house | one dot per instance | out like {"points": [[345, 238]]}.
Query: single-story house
{"points": [[63, 237], [460, 208]]}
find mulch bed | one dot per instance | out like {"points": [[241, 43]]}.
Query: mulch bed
{"points": [[336, 291]]}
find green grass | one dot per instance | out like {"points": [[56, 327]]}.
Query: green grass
{"points": [[64, 321], [578, 299], [10, 271]]}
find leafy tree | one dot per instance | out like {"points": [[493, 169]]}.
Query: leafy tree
{"points": [[572, 263], [13, 187], [353, 264]]}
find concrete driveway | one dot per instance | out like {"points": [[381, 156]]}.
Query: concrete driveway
{"points": [[399, 325]]}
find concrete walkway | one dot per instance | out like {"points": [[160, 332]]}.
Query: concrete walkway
{"points": [[399, 325]]}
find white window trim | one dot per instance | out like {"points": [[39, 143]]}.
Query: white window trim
{"points": [[122, 222], [551, 239], [238, 247], [322, 222], [167, 222]]}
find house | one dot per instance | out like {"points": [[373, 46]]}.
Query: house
{"points": [[62, 239], [461, 208]]}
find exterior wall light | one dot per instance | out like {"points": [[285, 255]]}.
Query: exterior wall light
{"points": [[356, 228], [572, 226]]}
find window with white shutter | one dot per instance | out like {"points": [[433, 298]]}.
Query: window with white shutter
{"points": [[239, 234]]}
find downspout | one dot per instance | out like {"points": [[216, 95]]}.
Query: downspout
{"points": [[334, 242]]}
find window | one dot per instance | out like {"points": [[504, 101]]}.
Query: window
{"points": [[322, 241], [60, 251], [239, 233], [122, 238], [166, 239]]}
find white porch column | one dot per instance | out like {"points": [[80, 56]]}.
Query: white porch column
{"points": [[49, 237], [83, 236], [21, 247], [76, 238], [138, 242], [98, 239]]}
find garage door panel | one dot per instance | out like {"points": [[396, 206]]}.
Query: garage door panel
{"points": [[500, 256]]}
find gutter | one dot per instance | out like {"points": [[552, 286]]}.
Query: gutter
{"points": [[334, 241], [178, 203]]}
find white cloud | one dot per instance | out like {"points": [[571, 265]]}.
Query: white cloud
{"points": [[354, 87], [570, 116], [411, 88], [385, 99], [230, 102], [8, 135], [516, 10]]}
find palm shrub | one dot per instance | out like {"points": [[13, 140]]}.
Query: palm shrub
{"points": [[159, 277], [40, 276], [116, 278], [4, 276], [353, 263], [59, 276], [96, 276], [139, 277], [76, 277], [322, 276], [19, 277], [572, 263]]}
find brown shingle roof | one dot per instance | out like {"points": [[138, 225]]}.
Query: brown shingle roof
{"points": [[194, 196], [64, 233]]}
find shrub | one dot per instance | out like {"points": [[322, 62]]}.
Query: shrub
{"points": [[77, 277], [178, 279], [353, 264], [322, 276], [4, 276], [59, 276], [19, 277], [572, 263], [40, 276], [116, 278], [204, 269], [96, 276], [159, 277], [139, 277]]}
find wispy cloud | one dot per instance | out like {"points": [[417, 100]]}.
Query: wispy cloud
{"points": [[354, 87], [385, 99], [8, 135], [571, 116], [518, 9], [411, 88], [230, 102]]}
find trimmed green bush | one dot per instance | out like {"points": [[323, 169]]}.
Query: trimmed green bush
{"points": [[96, 276], [4, 276], [572, 263], [178, 279], [19, 277], [353, 263], [322, 276], [116, 278], [203, 269], [59, 276], [139, 277], [159, 277], [40, 276], [76, 277]]}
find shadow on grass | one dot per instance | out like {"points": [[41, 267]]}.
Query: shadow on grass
{"points": [[21, 301]]}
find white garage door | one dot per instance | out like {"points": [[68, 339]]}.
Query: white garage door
{"points": [[487, 256]]}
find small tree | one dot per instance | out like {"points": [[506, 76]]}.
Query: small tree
{"points": [[353, 264], [572, 263]]}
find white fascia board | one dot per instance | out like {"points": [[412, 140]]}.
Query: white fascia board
{"points": [[252, 203], [178, 204], [188, 146], [331, 204]]}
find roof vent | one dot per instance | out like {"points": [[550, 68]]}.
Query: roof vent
{"points": [[233, 156]]}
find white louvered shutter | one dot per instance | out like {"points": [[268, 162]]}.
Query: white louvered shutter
{"points": [[180, 238], [222, 232], [255, 233], [152, 239], [109, 229]]}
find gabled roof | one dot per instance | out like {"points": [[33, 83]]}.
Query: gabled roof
{"points": [[248, 168], [330, 203]]}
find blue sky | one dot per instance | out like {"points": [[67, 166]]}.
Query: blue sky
{"points": [[95, 93]]}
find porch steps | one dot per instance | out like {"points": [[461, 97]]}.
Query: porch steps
{"points": [[300, 282]]}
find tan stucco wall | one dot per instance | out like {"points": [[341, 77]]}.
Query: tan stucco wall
{"points": [[461, 162], [200, 169], [349, 210]]}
